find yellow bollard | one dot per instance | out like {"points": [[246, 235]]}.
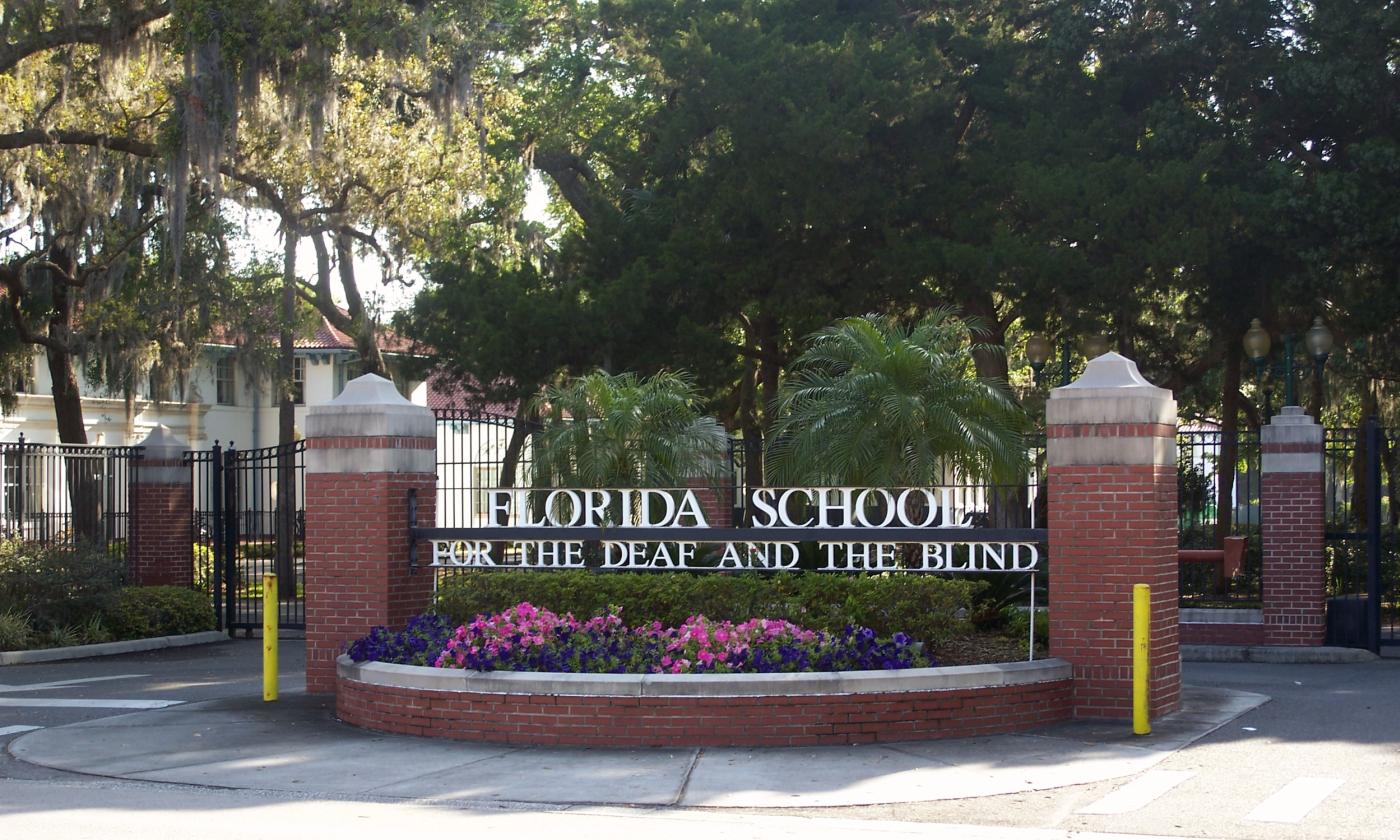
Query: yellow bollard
{"points": [[269, 637], [1142, 629]]}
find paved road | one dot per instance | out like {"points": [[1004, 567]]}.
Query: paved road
{"points": [[1321, 760]]}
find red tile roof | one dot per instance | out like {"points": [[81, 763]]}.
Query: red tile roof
{"points": [[327, 337], [445, 391]]}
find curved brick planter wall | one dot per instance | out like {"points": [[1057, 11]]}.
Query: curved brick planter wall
{"points": [[720, 710]]}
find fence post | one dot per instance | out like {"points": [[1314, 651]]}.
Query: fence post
{"points": [[1111, 487], [364, 451], [1291, 521], [160, 551], [20, 489]]}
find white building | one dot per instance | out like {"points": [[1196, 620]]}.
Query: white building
{"points": [[222, 400]]}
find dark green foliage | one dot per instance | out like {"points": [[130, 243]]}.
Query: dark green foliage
{"points": [[58, 586], [921, 606], [142, 612], [872, 401], [625, 431]]}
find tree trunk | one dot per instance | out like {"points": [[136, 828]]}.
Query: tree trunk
{"points": [[366, 342], [1229, 443], [1360, 492], [67, 401], [81, 473], [285, 513], [526, 422], [769, 371], [353, 321], [991, 362]]}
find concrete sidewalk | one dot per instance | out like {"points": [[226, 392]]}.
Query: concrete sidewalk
{"points": [[296, 745]]}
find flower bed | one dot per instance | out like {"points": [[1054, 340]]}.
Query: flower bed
{"points": [[528, 676], [528, 638]]}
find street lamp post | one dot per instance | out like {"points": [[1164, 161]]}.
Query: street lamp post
{"points": [[1317, 341], [1039, 349]]}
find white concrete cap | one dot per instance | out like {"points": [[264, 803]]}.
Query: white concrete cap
{"points": [[370, 406], [1292, 426], [162, 439], [1111, 371], [162, 445], [1111, 392]]}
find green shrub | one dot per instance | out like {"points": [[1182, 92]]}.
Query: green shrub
{"points": [[922, 606], [94, 631], [15, 631], [57, 637], [145, 611], [203, 567], [58, 586]]}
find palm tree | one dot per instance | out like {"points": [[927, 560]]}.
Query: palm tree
{"points": [[603, 430], [874, 403]]}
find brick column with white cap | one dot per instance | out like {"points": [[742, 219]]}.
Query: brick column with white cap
{"points": [[160, 550], [364, 451], [1112, 517], [1291, 523]]}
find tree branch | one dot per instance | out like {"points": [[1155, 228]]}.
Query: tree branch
{"points": [[120, 28], [573, 176]]}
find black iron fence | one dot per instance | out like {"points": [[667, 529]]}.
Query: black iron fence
{"points": [[249, 519], [63, 494], [478, 451], [1361, 505], [1218, 479]]}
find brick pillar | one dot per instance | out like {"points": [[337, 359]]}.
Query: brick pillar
{"points": [[1291, 520], [364, 451], [160, 548], [1111, 439], [716, 501]]}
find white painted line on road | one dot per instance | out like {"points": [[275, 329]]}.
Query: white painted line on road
{"points": [[1294, 800], [15, 730], [6, 689], [55, 703], [1138, 793]]}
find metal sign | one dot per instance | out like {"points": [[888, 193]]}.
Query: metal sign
{"points": [[855, 529]]}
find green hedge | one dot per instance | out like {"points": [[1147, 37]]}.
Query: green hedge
{"points": [[57, 586], [145, 611], [922, 606]]}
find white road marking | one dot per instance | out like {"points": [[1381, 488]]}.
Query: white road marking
{"points": [[1294, 800], [7, 689], [1138, 793], [56, 703], [15, 730]]}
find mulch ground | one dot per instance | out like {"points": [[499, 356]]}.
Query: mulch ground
{"points": [[983, 649]]}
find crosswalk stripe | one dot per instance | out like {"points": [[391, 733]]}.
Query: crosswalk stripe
{"points": [[1138, 793], [15, 730], [1294, 800], [66, 683], [56, 703]]}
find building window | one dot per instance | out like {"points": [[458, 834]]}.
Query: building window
{"points": [[224, 380], [299, 380], [346, 370]]}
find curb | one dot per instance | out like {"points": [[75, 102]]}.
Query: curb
{"points": [[1276, 654], [27, 657]]}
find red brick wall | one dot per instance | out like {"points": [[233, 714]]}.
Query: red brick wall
{"points": [[1113, 526], [702, 721], [160, 549], [1222, 634], [357, 572], [1291, 519], [715, 502]]}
